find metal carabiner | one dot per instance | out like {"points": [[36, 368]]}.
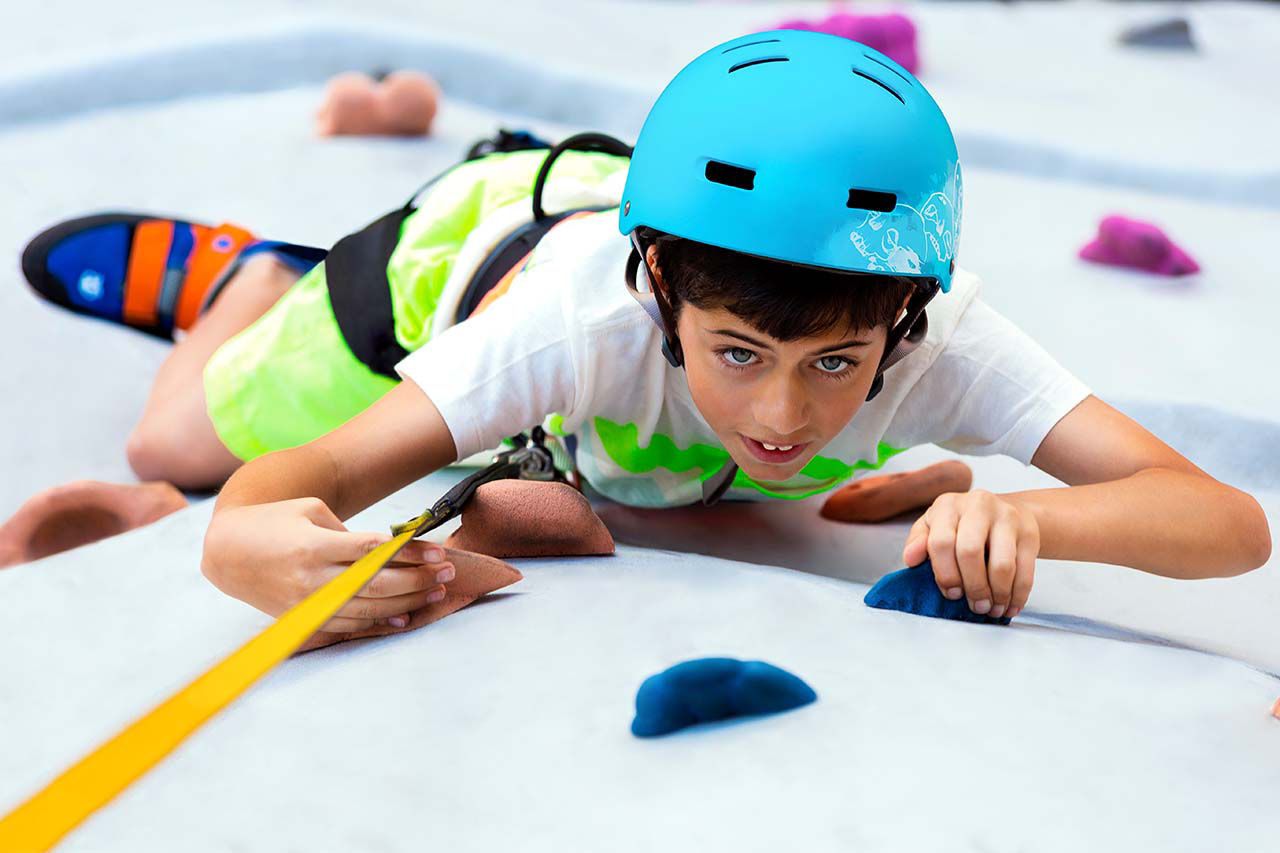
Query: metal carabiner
{"points": [[528, 459]]}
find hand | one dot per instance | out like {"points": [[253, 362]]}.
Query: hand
{"points": [[274, 555], [982, 547]]}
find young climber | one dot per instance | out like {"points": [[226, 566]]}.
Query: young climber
{"points": [[758, 331]]}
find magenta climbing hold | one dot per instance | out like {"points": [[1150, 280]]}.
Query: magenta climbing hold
{"points": [[1140, 245], [893, 34]]}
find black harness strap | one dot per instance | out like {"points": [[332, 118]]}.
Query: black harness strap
{"points": [[506, 255], [356, 272]]}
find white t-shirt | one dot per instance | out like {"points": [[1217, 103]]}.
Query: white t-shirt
{"points": [[568, 346]]}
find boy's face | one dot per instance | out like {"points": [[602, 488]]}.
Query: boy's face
{"points": [[755, 390]]}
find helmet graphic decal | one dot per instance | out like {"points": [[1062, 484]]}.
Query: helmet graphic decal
{"points": [[881, 244], [907, 239]]}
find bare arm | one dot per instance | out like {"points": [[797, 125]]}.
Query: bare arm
{"points": [[1135, 501], [1131, 501], [399, 439]]}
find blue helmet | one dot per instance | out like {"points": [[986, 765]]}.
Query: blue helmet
{"points": [[801, 147]]}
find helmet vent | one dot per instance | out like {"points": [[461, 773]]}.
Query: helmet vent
{"points": [[731, 176], [879, 83], [881, 62], [751, 62], [872, 200], [748, 44]]}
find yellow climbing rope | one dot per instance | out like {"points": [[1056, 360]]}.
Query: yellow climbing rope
{"points": [[91, 783]]}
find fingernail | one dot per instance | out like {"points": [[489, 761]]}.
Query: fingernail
{"points": [[981, 606], [398, 621], [1014, 612], [435, 555], [445, 575], [438, 595], [997, 611], [954, 593]]}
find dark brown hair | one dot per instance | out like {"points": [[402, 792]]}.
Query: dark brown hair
{"points": [[785, 301]]}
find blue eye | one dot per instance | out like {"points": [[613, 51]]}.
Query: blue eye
{"points": [[738, 356], [833, 363]]}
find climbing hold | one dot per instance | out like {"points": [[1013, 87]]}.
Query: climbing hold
{"points": [[874, 499], [1140, 245], [893, 34], [397, 103], [699, 691], [914, 591], [75, 514], [528, 518], [1170, 33]]}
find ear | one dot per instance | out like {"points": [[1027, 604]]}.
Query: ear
{"points": [[902, 310], [655, 272]]}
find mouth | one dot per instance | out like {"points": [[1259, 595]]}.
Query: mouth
{"points": [[773, 454]]}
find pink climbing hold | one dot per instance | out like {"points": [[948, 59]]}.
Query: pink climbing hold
{"points": [[893, 34], [1140, 245]]}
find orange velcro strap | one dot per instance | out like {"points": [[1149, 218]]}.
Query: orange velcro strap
{"points": [[503, 285], [147, 257], [213, 250]]}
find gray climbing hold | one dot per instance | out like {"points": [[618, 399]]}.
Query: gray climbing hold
{"points": [[1171, 33]]}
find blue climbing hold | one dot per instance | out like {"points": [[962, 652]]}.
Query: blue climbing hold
{"points": [[913, 590], [699, 691]]}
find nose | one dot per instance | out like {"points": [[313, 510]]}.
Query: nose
{"points": [[781, 405]]}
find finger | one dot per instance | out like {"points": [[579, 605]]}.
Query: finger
{"points": [[320, 639], [391, 582], [375, 609], [419, 552], [397, 625], [1002, 563], [378, 630], [942, 549], [916, 549], [346, 626], [346, 547], [327, 637], [1027, 551], [971, 546]]}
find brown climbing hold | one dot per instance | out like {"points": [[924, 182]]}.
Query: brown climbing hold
{"points": [[528, 518], [81, 512], [476, 575], [875, 499], [404, 103]]}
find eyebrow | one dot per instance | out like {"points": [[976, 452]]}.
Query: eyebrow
{"points": [[852, 342]]}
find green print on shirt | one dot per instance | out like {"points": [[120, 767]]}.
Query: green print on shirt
{"points": [[621, 442]]}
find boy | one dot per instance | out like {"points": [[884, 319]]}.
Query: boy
{"points": [[791, 207]]}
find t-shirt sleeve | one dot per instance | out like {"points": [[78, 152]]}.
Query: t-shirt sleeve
{"points": [[992, 389], [499, 372]]}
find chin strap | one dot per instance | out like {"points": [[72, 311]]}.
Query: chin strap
{"points": [[904, 338], [714, 487], [658, 311]]}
